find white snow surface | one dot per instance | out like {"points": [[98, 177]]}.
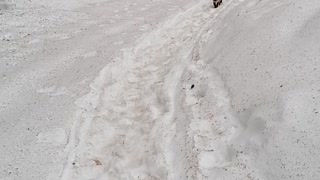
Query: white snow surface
{"points": [[155, 90]]}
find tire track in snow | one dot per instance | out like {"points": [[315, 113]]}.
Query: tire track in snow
{"points": [[205, 125], [129, 125]]}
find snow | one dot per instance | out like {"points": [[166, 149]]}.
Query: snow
{"points": [[57, 137], [267, 59], [159, 89]]}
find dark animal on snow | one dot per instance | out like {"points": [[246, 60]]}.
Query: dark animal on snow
{"points": [[216, 3]]}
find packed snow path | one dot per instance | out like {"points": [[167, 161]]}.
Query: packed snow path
{"points": [[140, 120]]}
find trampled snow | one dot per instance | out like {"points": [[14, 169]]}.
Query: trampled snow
{"points": [[110, 90]]}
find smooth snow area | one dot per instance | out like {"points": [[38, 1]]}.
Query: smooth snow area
{"points": [[145, 90]]}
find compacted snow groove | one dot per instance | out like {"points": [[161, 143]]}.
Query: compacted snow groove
{"points": [[140, 120]]}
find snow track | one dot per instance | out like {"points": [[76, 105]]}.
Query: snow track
{"points": [[159, 89], [142, 121]]}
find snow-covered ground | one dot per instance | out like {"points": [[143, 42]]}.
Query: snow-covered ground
{"points": [[159, 90], [49, 56]]}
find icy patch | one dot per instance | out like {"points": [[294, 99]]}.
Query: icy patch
{"points": [[90, 54], [56, 137], [55, 91], [145, 27], [47, 90], [77, 31], [59, 37], [63, 37], [34, 41]]}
